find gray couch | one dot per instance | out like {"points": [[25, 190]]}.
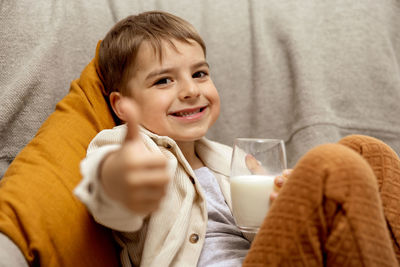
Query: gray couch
{"points": [[307, 72]]}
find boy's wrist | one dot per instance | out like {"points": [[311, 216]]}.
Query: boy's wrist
{"points": [[103, 172]]}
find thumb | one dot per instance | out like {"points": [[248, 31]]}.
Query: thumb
{"points": [[131, 117]]}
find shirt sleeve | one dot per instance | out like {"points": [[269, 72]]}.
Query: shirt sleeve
{"points": [[104, 209]]}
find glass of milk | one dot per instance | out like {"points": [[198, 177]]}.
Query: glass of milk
{"points": [[255, 164]]}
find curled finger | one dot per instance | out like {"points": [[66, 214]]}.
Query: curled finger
{"points": [[254, 165]]}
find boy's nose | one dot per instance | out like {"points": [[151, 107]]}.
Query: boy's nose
{"points": [[189, 90]]}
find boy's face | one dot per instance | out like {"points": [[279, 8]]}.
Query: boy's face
{"points": [[176, 97]]}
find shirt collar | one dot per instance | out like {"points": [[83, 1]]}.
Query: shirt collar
{"points": [[215, 156]]}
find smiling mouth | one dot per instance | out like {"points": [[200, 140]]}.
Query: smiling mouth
{"points": [[188, 112]]}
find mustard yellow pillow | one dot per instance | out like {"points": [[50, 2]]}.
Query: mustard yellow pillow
{"points": [[38, 210]]}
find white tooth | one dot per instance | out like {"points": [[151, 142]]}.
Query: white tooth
{"points": [[184, 114]]}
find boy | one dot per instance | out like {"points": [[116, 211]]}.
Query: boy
{"points": [[162, 186], [165, 75]]}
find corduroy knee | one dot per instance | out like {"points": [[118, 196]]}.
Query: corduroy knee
{"points": [[328, 213]]}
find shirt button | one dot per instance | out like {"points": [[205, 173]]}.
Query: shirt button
{"points": [[194, 238]]}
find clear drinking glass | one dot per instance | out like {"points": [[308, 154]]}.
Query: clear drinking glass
{"points": [[255, 164]]}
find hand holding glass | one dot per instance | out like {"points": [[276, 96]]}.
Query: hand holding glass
{"points": [[254, 166]]}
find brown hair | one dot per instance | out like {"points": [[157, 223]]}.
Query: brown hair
{"points": [[119, 48]]}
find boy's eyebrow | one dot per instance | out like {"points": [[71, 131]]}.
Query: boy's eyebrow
{"points": [[167, 70], [201, 64]]}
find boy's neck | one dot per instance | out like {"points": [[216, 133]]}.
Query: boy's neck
{"points": [[188, 150]]}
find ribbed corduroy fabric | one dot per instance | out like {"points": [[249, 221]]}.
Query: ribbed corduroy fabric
{"points": [[339, 207]]}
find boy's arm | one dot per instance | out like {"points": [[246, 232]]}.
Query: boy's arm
{"points": [[123, 181], [104, 209]]}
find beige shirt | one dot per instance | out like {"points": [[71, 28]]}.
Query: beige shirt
{"points": [[174, 234]]}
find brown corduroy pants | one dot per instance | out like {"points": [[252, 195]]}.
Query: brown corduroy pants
{"points": [[339, 207]]}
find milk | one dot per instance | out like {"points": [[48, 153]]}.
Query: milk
{"points": [[250, 199]]}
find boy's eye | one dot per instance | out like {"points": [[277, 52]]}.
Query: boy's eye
{"points": [[199, 74], [163, 81]]}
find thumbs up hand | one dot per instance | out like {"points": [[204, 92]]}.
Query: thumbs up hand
{"points": [[133, 175]]}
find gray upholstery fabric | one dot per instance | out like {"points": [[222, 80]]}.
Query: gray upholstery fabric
{"points": [[308, 73], [10, 255]]}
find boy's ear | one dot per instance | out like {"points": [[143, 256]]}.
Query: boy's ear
{"points": [[115, 101]]}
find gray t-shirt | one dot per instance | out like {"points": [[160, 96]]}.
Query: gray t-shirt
{"points": [[225, 245]]}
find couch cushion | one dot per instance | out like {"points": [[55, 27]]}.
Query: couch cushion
{"points": [[37, 208]]}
